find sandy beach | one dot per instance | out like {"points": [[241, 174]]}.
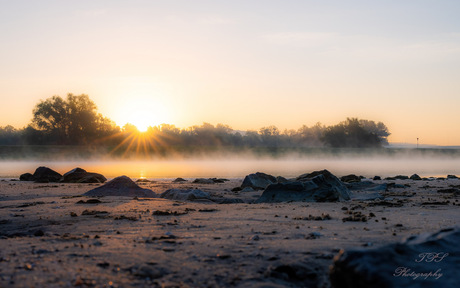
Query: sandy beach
{"points": [[49, 238]]}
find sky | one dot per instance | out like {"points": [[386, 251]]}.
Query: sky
{"points": [[248, 64]]}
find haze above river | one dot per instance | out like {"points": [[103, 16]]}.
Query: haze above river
{"points": [[238, 167]]}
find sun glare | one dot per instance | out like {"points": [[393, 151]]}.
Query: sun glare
{"points": [[142, 102], [143, 120], [143, 114]]}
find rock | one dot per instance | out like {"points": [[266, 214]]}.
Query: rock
{"points": [[210, 180], [329, 178], [415, 177], [254, 238], [377, 178], [26, 177], [121, 186], [429, 260], [258, 180], [322, 187], [79, 175], [220, 180], [45, 175], [179, 180], [401, 177], [350, 178], [185, 195], [203, 181], [452, 177], [75, 170]]}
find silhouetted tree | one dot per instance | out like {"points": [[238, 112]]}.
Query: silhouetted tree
{"points": [[71, 121], [309, 136], [351, 133], [379, 129]]}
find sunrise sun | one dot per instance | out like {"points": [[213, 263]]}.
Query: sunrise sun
{"points": [[142, 120], [143, 113]]}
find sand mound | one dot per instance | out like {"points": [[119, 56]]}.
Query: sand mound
{"points": [[121, 186]]}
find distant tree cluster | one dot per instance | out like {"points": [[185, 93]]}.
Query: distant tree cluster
{"points": [[356, 133], [75, 121]]}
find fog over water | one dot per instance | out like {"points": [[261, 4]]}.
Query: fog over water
{"points": [[237, 167]]}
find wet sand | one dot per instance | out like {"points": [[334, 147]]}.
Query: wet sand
{"points": [[48, 239]]}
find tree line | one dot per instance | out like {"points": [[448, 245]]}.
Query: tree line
{"points": [[76, 121]]}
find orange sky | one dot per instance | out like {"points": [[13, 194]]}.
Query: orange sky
{"points": [[244, 64]]}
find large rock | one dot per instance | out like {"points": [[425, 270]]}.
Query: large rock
{"points": [[79, 175], [185, 194], [429, 260], [42, 175], [45, 174], [323, 186], [121, 186], [258, 180]]}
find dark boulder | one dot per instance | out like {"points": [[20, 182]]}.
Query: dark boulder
{"points": [[377, 178], [203, 181], [179, 180], [220, 180], [258, 180], [45, 175], [79, 175], [401, 177], [452, 177], [185, 194], [323, 186], [429, 260], [330, 178], [415, 177], [121, 186], [210, 180], [26, 177]]}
